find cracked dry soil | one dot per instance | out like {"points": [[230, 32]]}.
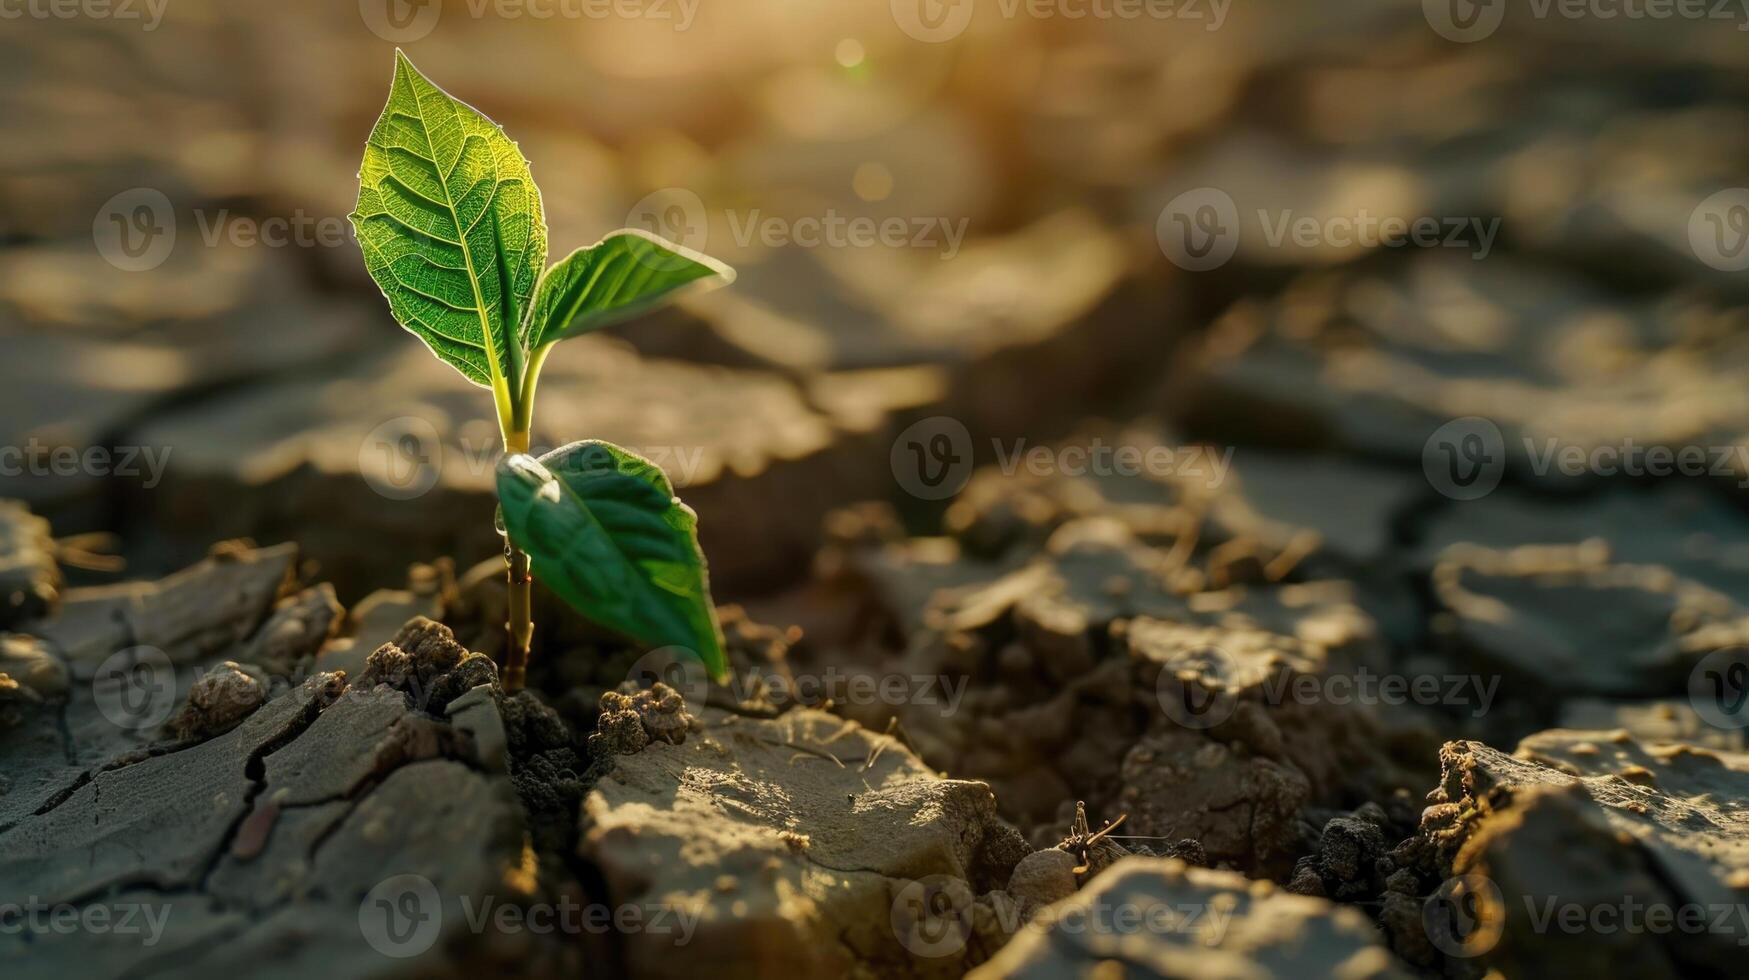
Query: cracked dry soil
{"points": [[304, 787]]}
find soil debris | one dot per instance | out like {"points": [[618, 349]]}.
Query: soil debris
{"points": [[425, 662], [635, 718], [225, 695]]}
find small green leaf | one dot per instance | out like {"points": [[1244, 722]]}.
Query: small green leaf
{"points": [[603, 529], [622, 275], [452, 230]]}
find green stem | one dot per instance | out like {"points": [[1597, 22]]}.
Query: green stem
{"points": [[516, 423], [522, 414], [519, 622]]}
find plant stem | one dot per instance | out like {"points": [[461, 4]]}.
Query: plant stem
{"points": [[522, 413], [519, 623]]}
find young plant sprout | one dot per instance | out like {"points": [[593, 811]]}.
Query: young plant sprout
{"points": [[452, 230]]}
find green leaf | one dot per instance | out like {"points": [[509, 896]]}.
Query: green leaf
{"points": [[624, 274], [452, 229], [603, 529]]}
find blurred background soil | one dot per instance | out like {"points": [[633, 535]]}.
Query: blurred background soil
{"points": [[244, 373]]}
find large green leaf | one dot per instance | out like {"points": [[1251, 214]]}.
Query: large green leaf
{"points": [[452, 230], [603, 529], [622, 275]]}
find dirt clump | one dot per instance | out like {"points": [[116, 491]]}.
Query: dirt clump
{"points": [[425, 662], [630, 721], [1351, 859], [222, 697]]}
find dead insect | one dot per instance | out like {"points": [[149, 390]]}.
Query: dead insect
{"points": [[1092, 848]]}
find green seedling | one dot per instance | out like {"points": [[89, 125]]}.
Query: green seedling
{"points": [[452, 229]]}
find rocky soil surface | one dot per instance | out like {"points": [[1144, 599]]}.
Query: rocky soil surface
{"points": [[294, 785], [246, 808], [278, 778], [1246, 715]]}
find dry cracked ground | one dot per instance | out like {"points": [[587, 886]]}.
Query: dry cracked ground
{"points": [[1352, 726], [1092, 618]]}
